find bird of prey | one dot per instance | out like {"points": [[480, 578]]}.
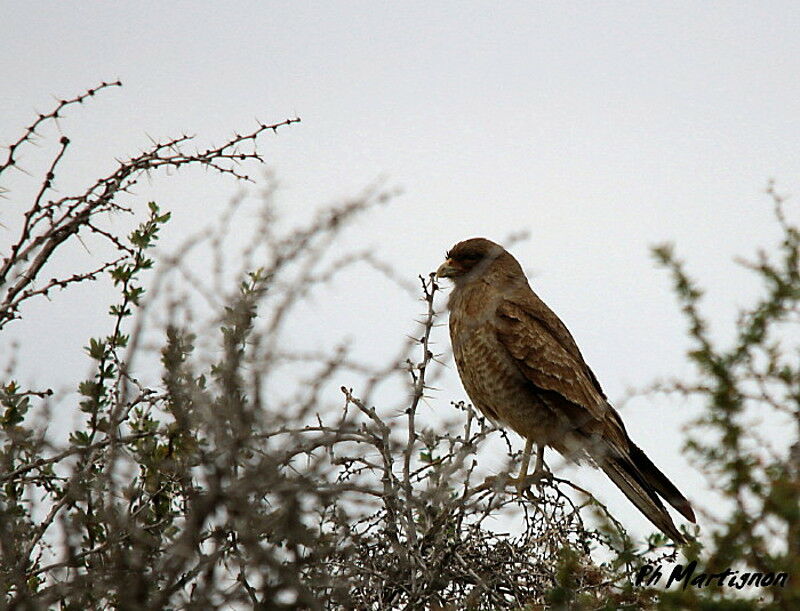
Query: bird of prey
{"points": [[522, 369]]}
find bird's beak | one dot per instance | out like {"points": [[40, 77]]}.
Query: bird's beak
{"points": [[446, 269]]}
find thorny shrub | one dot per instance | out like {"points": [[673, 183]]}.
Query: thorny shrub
{"points": [[225, 482], [746, 439]]}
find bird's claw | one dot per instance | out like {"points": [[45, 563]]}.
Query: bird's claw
{"points": [[537, 478], [522, 483]]}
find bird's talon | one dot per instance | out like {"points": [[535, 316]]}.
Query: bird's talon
{"points": [[494, 482], [522, 484], [537, 478]]}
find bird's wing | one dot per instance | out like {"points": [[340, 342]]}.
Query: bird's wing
{"points": [[547, 355]]}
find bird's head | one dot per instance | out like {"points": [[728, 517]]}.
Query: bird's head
{"points": [[477, 258]]}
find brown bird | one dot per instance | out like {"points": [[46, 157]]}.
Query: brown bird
{"points": [[521, 368]]}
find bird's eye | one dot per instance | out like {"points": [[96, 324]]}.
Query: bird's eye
{"points": [[469, 257]]}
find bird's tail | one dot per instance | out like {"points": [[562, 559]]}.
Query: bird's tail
{"points": [[640, 480], [660, 483]]}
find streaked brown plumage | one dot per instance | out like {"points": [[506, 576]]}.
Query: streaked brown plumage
{"points": [[521, 368]]}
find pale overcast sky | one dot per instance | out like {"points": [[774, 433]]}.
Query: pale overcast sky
{"points": [[600, 127]]}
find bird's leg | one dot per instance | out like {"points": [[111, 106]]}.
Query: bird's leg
{"points": [[526, 459], [540, 468], [525, 481]]}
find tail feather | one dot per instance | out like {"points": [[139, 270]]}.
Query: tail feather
{"points": [[660, 483], [637, 488]]}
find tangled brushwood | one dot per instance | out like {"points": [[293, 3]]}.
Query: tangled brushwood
{"points": [[216, 465]]}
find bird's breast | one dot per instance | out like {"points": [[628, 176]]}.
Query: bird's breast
{"points": [[490, 376]]}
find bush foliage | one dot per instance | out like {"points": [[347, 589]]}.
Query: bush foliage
{"points": [[225, 482]]}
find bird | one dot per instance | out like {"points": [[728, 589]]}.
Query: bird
{"points": [[522, 369]]}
